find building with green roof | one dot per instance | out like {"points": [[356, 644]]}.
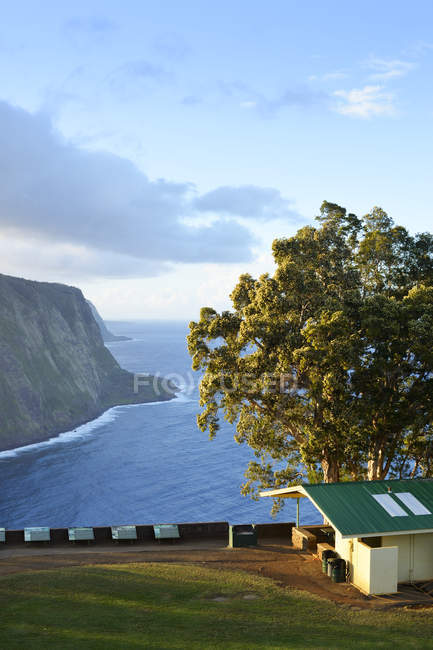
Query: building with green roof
{"points": [[383, 529]]}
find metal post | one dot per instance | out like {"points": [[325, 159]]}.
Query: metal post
{"points": [[297, 512]]}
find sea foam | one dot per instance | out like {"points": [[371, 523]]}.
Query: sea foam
{"points": [[81, 432]]}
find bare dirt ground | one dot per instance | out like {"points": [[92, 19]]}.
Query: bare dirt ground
{"points": [[273, 559]]}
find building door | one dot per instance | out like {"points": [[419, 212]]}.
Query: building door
{"points": [[423, 556], [404, 544]]}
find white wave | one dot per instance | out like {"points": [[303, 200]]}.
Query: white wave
{"points": [[79, 433], [183, 398], [180, 398]]}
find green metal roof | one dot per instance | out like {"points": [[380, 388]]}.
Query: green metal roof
{"points": [[353, 510]]}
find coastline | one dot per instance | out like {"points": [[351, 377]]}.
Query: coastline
{"points": [[79, 431]]}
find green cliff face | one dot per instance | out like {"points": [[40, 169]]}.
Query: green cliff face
{"points": [[55, 372]]}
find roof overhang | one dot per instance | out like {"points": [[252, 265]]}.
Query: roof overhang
{"points": [[294, 492], [393, 532]]}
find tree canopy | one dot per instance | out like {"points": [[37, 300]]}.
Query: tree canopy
{"points": [[326, 367]]}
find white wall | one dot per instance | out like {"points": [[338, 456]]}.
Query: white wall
{"points": [[423, 555], [342, 546], [415, 553], [383, 570], [361, 573], [373, 570], [401, 558], [403, 542]]}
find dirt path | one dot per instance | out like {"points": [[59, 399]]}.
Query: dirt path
{"points": [[288, 567]]}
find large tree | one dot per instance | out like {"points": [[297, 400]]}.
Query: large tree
{"points": [[326, 367]]}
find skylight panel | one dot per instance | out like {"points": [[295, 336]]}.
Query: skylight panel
{"points": [[411, 502], [391, 506]]}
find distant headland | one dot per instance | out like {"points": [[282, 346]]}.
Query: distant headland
{"points": [[107, 336], [55, 371]]}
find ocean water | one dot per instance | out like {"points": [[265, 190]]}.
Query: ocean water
{"points": [[141, 464]]}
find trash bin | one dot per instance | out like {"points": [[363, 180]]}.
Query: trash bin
{"points": [[326, 555], [330, 564], [242, 535], [338, 570]]}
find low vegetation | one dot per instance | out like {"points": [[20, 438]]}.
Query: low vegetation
{"points": [[175, 606]]}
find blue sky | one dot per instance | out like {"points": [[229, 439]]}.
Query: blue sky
{"points": [[152, 151]]}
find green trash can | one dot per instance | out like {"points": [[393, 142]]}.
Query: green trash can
{"points": [[338, 570], [331, 561], [242, 535], [326, 555]]}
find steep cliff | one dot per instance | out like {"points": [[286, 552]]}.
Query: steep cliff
{"points": [[55, 371], [107, 336]]}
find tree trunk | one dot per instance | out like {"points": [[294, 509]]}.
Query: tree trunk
{"points": [[372, 469], [331, 469], [375, 469]]}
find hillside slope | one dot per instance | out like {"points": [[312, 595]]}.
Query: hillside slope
{"points": [[55, 371]]}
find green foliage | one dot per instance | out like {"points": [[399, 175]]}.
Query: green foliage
{"points": [[326, 368]]}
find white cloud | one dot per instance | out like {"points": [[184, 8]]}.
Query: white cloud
{"points": [[260, 203], [33, 257], [386, 69], [133, 78], [419, 48], [329, 76], [95, 213], [369, 101], [249, 98]]}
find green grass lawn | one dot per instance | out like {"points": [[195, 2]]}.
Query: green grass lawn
{"points": [[170, 606]]}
